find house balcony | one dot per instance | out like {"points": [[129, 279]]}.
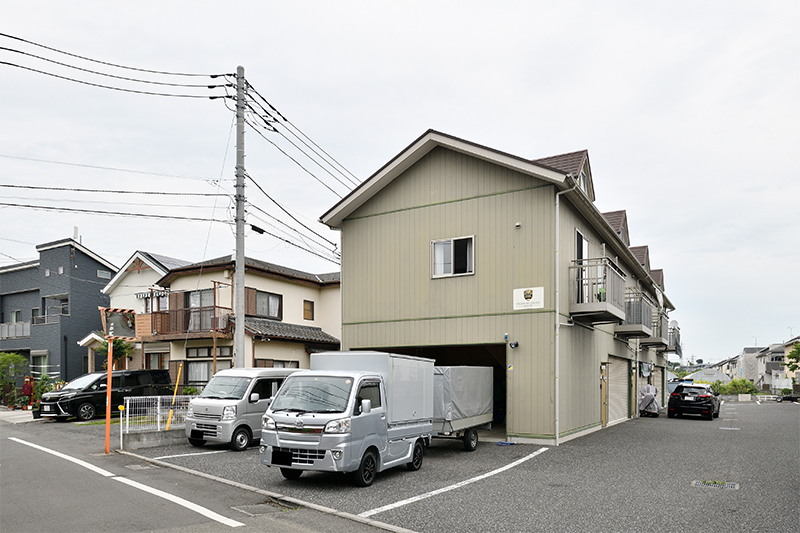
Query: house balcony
{"points": [[597, 291], [52, 313], [638, 315], [15, 330], [658, 339], [193, 322], [674, 340]]}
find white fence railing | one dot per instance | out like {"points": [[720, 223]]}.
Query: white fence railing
{"points": [[152, 413]]}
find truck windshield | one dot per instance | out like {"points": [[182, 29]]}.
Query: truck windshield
{"points": [[313, 394], [226, 388]]}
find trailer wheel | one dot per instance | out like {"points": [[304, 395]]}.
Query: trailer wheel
{"points": [[416, 457], [470, 439], [290, 473], [365, 475]]}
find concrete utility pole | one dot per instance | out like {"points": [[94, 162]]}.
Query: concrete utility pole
{"points": [[238, 278]]}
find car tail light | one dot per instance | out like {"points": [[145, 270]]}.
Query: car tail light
{"points": [[704, 396], [675, 394]]}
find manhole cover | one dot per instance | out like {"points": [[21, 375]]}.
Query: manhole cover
{"points": [[716, 484]]}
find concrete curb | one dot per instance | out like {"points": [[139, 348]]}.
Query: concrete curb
{"points": [[279, 498]]}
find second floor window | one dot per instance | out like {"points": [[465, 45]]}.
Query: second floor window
{"points": [[452, 257], [263, 304], [308, 310]]}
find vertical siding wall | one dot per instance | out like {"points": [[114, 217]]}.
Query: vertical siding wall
{"points": [[389, 298]]}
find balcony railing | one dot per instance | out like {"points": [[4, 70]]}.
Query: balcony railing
{"points": [[51, 314], [597, 291], [658, 338], [15, 330], [638, 315], [190, 320], [674, 341]]}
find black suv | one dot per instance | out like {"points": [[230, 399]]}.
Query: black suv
{"points": [[694, 399], [85, 396]]}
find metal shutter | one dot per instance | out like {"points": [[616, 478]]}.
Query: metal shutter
{"points": [[618, 399]]}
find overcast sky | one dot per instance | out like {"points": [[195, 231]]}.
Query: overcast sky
{"points": [[689, 111]]}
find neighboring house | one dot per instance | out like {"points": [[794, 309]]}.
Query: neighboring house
{"points": [[788, 346], [472, 256], [289, 314], [47, 305], [746, 366], [770, 372], [135, 287], [709, 374]]}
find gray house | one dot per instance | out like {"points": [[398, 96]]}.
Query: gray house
{"points": [[48, 305], [472, 256]]}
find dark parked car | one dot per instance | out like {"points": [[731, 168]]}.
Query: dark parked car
{"points": [[85, 396], [788, 398], [693, 399]]}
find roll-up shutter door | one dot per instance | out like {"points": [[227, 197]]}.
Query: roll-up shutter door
{"points": [[618, 399]]}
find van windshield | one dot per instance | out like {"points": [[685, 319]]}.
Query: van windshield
{"points": [[226, 388], [82, 382], [313, 394]]}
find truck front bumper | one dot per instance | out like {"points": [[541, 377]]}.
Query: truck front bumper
{"points": [[209, 430]]}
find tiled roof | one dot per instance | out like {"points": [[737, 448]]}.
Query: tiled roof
{"points": [[658, 277], [570, 163], [615, 219], [263, 327], [227, 261], [640, 253], [167, 262]]}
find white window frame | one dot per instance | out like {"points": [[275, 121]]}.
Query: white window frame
{"points": [[443, 272]]}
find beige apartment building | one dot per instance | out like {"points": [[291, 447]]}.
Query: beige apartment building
{"points": [[472, 256]]}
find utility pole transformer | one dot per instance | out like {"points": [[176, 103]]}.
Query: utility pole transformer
{"points": [[238, 279]]}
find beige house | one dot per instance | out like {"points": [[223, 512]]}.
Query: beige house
{"points": [[288, 315], [473, 256]]}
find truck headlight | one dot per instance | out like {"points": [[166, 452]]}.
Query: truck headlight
{"points": [[267, 422], [190, 411], [229, 412], [338, 426]]}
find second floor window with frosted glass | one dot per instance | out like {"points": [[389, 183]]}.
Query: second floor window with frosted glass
{"points": [[452, 257], [269, 305]]}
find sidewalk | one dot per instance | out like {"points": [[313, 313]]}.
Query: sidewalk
{"points": [[17, 416]]}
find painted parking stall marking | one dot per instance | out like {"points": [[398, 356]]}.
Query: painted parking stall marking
{"points": [[161, 494], [460, 484]]}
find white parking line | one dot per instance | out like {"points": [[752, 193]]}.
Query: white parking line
{"points": [[451, 487], [161, 494], [190, 454], [732, 429]]}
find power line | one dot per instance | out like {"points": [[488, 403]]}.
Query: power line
{"points": [[261, 230], [111, 213], [106, 63], [295, 230], [160, 193], [124, 78]]}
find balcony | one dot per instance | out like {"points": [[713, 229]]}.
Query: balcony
{"points": [[658, 339], [194, 322], [638, 315], [15, 330], [674, 340], [51, 313], [597, 291]]}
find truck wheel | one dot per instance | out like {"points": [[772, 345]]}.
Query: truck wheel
{"points": [[779, 399], [240, 440], [365, 475], [416, 457], [470, 439], [86, 411], [197, 443], [290, 473]]}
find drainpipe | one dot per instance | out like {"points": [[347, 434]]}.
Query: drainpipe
{"points": [[568, 177]]}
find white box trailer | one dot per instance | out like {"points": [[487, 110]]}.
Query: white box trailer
{"points": [[463, 402]]}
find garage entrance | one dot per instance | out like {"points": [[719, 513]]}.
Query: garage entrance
{"points": [[492, 355]]}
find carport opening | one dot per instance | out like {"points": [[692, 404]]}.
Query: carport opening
{"points": [[491, 355]]}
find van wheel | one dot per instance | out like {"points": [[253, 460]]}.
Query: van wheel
{"points": [[86, 411], [471, 439], [416, 457], [197, 443], [240, 440], [365, 475], [290, 473]]}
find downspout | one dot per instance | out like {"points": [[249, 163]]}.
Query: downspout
{"points": [[567, 178]]}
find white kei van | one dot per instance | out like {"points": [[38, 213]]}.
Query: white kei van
{"points": [[230, 407]]}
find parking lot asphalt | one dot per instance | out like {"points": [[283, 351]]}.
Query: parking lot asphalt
{"points": [[739, 472]]}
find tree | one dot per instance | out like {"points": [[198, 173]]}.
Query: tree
{"points": [[121, 350], [12, 364], [699, 361], [793, 359]]}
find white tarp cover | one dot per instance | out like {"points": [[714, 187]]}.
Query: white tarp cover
{"points": [[647, 399], [462, 392]]}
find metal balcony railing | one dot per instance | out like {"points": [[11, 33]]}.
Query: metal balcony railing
{"points": [[15, 330], [51, 314], [597, 290], [638, 320], [189, 320], [660, 331], [674, 341]]}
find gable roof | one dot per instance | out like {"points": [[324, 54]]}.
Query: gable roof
{"points": [[658, 277], [642, 254], [618, 220], [228, 262], [421, 147], [573, 163], [78, 246], [161, 264]]}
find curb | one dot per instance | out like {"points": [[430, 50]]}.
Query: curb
{"points": [[279, 498]]}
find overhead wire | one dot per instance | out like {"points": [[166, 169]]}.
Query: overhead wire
{"points": [[111, 213], [295, 230], [69, 189]]}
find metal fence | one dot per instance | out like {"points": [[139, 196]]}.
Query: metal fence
{"points": [[152, 413]]}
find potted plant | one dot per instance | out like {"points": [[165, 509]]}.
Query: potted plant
{"points": [[37, 409], [42, 385]]}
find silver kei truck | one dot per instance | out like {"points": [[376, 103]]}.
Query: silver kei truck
{"points": [[354, 412], [229, 409]]}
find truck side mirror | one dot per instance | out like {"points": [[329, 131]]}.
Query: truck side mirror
{"points": [[254, 397], [366, 406]]}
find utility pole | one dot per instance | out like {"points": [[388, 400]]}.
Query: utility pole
{"points": [[238, 278]]}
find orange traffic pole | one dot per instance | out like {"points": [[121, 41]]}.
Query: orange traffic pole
{"points": [[108, 394]]}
